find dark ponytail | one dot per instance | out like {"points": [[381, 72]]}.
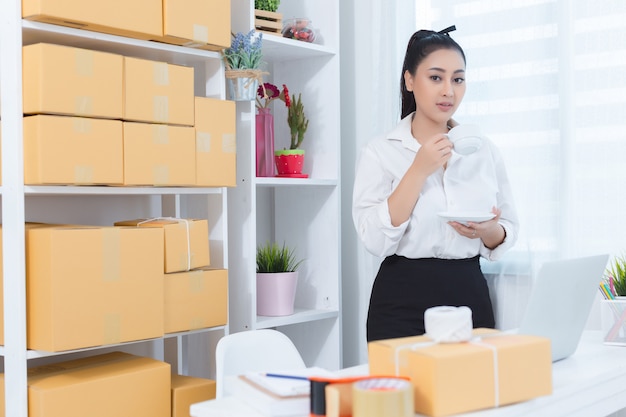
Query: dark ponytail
{"points": [[423, 43]]}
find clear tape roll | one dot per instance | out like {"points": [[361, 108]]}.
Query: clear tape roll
{"points": [[377, 397], [447, 324]]}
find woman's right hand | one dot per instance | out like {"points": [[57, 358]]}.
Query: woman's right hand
{"points": [[433, 154]]}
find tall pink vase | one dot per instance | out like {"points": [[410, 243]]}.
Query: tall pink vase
{"points": [[264, 143]]}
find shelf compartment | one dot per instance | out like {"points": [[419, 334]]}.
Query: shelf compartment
{"points": [[298, 182], [34, 32], [299, 316], [89, 190], [34, 354]]}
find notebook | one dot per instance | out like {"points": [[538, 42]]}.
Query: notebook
{"points": [[561, 301]]}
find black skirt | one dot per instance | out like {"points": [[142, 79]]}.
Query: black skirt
{"points": [[405, 288]]}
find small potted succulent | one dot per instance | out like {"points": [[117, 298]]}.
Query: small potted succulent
{"points": [[243, 61], [276, 279], [289, 162]]}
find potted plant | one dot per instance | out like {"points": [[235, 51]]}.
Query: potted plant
{"points": [[616, 275], [289, 162], [266, 18], [243, 61], [267, 5], [276, 279]]}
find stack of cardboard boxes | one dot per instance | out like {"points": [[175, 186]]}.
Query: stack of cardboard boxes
{"points": [[89, 286], [101, 118], [194, 23], [111, 384]]}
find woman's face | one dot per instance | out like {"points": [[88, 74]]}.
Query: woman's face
{"points": [[438, 85]]}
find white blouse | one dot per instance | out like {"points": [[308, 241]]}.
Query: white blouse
{"points": [[475, 182]]}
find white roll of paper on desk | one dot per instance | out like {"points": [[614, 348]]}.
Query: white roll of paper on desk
{"points": [[448, 324], [378, 397]]}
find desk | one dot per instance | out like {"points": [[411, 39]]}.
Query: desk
{"points": [[592, 382]]}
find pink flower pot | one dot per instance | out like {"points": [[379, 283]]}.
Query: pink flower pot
{"points": [[275, 293]]}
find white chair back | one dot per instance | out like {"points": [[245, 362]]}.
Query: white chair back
{"points": [[253, 351]]}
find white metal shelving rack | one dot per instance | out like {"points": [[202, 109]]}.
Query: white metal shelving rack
{"points": [[186, 351], [304, 213]]}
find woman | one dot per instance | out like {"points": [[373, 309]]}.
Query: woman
{"points": [[405, 178]]}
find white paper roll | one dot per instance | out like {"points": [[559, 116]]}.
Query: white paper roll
{"points": [[377, 397], [448, 324]]}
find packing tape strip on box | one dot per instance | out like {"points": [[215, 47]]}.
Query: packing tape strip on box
{"points": [[382, 397]]}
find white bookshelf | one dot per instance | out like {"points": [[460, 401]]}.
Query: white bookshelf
{"points": [[189, 352], [304, 213]]}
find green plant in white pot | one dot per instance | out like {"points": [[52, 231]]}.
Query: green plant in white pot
{"points": [[276, 279], [289, 162]]}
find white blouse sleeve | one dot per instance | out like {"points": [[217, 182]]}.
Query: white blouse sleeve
{"points": [[370, 211]]}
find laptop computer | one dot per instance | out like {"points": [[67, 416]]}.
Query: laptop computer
{"points": [[561, 300]]}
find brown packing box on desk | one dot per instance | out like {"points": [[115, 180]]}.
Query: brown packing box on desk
{"points": [[72, 81], [196, 299], [92, 286], [159, 155], [141, 19], [187, 390], [451, 378], [216, 147], [72, 150], [197, 23], [158, 92], [112, 384], [186, 241]]}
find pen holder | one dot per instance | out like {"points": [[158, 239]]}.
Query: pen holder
{"points": [[613, 316]]}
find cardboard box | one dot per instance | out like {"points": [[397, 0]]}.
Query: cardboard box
{"points": [[216, 147], [197, 23], [158, 92], [92, 286], [186, 241], [159, 155], [196, 299], [119, 17], [187, 390], [451, 378], [112, 384], [72, 81], [72, 150]]}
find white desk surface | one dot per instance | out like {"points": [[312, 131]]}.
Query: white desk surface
{"points": [[592, 382]]}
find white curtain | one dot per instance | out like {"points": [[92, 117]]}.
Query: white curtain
{"points": [[374, 35], [547, 82]]}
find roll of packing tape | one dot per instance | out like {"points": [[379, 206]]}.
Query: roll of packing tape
{"points": [[448, 324], [377, 397]]}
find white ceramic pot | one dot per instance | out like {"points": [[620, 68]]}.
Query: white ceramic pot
{"points": [[276, 293]]}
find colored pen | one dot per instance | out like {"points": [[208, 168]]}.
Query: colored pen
{"points": [[302, 378]]}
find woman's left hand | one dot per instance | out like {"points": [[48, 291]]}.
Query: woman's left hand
{"points": [[490, 231]]}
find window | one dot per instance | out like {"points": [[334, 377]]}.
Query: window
{"points": [[547, 83]]}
